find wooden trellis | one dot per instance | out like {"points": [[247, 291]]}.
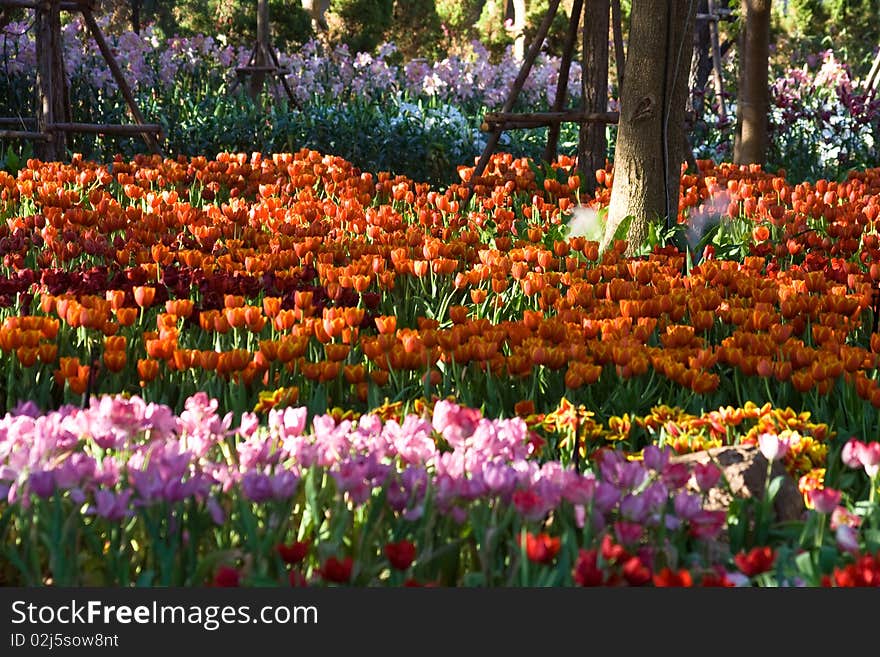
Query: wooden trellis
{"points": [[53, 119], [263, 61], [713, 17], [497, 122]]}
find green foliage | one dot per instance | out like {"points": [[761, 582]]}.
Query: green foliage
{"points": [[852, 29], [15, 156], [808, 16], [849, 27], [496, 38], [458, 21], [364, 22], [555, 40], [490, 27], [416, 29], [459, 15], [424, 140], [290, 23]]}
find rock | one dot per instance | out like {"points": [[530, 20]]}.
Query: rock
{"points": [[744, 470]]}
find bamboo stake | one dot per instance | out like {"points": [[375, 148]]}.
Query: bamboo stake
{"points": [[282, 74], [50, 78], [871, 80]]}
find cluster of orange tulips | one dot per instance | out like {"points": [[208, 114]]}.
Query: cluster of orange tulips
{"points": [[300, 270]]}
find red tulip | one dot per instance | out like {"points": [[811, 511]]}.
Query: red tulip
{"points": [[401, 554], [227, 576], [541, 548], [295, 552], [758, 560], [336, 571]]}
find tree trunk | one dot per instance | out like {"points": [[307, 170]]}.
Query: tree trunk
{"points": [[52, 105], [619, 54], [752, 106], [593, 144], [701, 65], [136, 16], [650, 137]]}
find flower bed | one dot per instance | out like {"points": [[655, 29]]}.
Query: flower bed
{"points": [[298, 288], [127, 492]]}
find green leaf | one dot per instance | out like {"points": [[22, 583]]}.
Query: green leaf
{"points": [[774, 488], [622, 228], [872, 538], [828, 558], [474, 579], [12, 162], [804, 562], [145, 578]]}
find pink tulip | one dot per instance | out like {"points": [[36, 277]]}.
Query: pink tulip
{"points": [[850, 453], [824, 500], [771, 447], [706, 475], [628, 533], [869, 455], [840, 517]]}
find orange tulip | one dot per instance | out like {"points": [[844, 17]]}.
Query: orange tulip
{"points": [[27, 356], [126, 316], [355, 374], [144, 295], [48, 352], [116, 298], [209, 360], [179, 307], [271, 306], [78, 384], [379, 377], [458, 314], [336, 352], [148, 370], [115, 360], [115, 343], [386, 324]]}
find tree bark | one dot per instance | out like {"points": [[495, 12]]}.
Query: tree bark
{"points": [[701, 65], [52, 99], [593, 144], [619, 54], [136, 16], [752, 107], [650, 137]]}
